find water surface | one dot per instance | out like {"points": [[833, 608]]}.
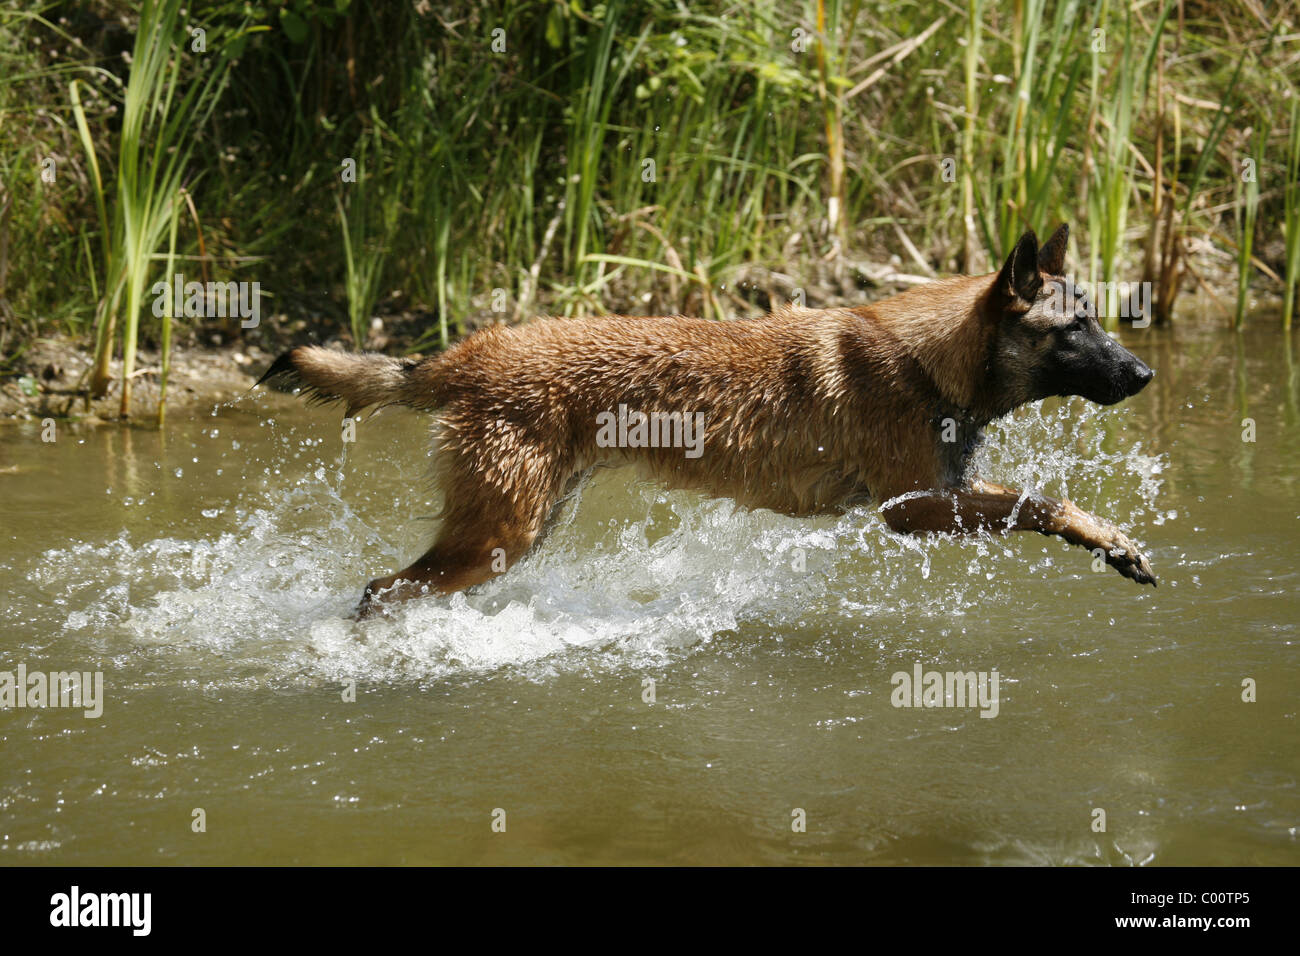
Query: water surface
{"points": [[209, 573]]}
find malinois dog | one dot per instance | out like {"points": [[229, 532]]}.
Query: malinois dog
{"points": [[800, 411]]}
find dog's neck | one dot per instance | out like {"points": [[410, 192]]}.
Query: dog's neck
{"points": [[947, 328]]}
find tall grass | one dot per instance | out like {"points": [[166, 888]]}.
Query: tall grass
{"points": [[1041, 125], [165, 350], [1291, 214], [971, 62], [1110, 197], [439, 146], [639, 156], [835, 23], [716, 147], [37, 239], [368, 221], [1246, 213], [137, 205]]}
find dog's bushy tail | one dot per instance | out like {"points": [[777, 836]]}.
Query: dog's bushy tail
{"points": [[360, 379]]}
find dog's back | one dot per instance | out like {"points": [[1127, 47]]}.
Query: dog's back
{"points": [[800, 410]]}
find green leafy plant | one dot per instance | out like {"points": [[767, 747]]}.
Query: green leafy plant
{"points": [[1245, 215], [160, 116], [1112, 173], [1291, 214]]}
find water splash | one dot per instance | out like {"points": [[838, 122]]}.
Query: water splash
{"points": [[629, 570]]}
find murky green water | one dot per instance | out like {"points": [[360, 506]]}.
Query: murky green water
{"points": [[209, 572]]}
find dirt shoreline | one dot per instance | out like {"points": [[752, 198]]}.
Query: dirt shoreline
{"points": [[209, 365], [55, 372]]}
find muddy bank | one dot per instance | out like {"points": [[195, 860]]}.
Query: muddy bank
{"points": [[54, 373], [209, 365]]}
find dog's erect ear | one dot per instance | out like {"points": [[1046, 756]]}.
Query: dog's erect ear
{"points": [[1019, 277], [1051, 258]]}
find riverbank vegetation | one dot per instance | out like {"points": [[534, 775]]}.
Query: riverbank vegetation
{"points": [[434, 167]]}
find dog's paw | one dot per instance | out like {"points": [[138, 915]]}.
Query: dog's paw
{"points": [[371, 605], [1123, 555]]}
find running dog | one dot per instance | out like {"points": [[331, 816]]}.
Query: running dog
{"points": [[799, 411]]}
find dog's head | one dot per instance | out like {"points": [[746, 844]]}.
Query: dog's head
{"points": [[1048, 340]]}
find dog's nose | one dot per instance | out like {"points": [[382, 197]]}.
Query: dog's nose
{"points": [[1142, 374]]}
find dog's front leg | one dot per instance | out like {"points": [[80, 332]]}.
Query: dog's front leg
{"points": [[984, 506], [441, 570]]}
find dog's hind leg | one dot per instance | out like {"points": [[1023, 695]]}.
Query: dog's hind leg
{"points": [[469, 550], [985, 506], [484, 531]]}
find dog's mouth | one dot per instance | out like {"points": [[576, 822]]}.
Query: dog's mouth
{"points": [[1116, 390], [1102, 371], [1126, 375], [1113, 390]]}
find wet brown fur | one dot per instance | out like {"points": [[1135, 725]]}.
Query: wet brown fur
{"points": [[804, 412]]}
